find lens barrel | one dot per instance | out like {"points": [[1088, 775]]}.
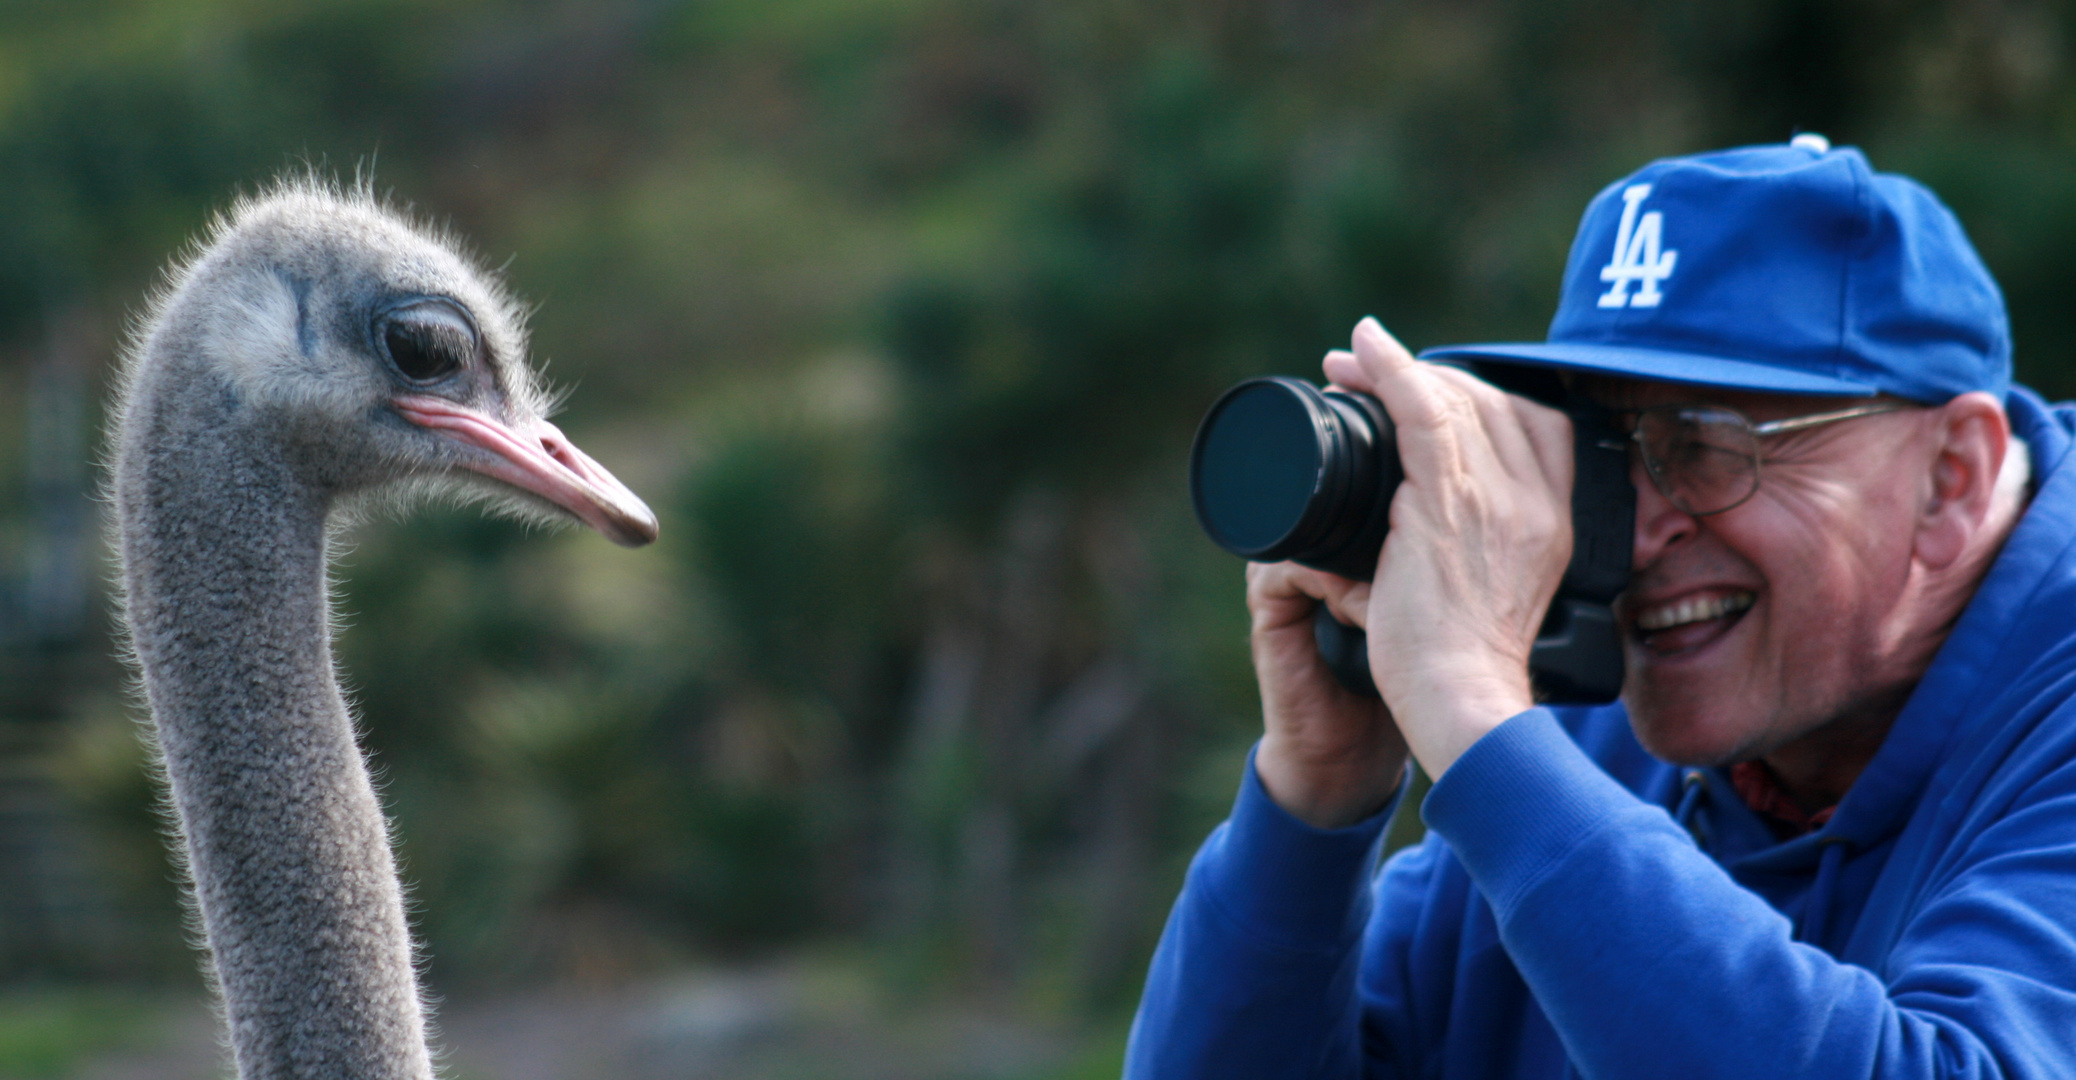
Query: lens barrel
{"points": [[1284, 470]]}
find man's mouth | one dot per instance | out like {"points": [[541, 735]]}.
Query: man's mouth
{"points": [[1691, 621]]}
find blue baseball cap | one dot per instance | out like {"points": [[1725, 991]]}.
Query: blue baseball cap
{"points": [[1792, 268]]}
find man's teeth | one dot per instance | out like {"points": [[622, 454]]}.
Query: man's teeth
{"points": [[1693, 610]]}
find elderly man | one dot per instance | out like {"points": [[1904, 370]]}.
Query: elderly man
{"points": [[1830, 830]]}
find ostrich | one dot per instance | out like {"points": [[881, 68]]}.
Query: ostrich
{"points": [[314, 352]]}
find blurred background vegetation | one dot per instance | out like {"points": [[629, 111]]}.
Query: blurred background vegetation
{"points": [[901, 313]]}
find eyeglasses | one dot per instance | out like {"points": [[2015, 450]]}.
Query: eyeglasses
{"points": [[1705, 458]]}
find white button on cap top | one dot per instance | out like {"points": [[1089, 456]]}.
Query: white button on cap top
{"points": [[1811, 141]]}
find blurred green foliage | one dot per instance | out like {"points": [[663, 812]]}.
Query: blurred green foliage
{"points": [[45, 1033], [901, 312]]}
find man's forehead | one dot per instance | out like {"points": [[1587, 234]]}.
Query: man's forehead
{"points": [[1625, 394]]}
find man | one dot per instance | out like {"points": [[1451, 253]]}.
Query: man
{"points": [[1830, 831]]}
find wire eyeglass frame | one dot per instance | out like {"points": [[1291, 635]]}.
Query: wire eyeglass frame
{"points": [[1665, 476]]}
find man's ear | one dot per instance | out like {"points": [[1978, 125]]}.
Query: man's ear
{"points": [[1971, 435]]}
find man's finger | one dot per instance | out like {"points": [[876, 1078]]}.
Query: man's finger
{"points": [[1287, 593], [1527, 436], [1344, 371], [1409, 392]]}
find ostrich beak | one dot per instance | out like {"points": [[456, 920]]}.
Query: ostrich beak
{"points": [[538, 458]]}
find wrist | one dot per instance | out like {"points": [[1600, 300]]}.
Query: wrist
{"points": [[1328, 791], [1442, 717]]}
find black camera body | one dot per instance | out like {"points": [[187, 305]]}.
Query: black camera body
{"points": [[1282, 469]]}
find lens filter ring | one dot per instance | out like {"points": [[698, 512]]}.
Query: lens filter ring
{"points": [[1272, 469]]}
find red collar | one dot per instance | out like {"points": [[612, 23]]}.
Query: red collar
{"points": [[1761, 790]]}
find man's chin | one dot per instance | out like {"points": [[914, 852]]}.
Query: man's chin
{"points": [[1686, 732], [1692, 710]]}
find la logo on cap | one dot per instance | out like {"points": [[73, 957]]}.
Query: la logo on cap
{"points": [[1637, 259]]}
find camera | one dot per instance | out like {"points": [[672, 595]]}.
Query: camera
{"points": [[1282, 469]]}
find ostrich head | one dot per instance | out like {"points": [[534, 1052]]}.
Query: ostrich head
{"points": [[368, 358]]}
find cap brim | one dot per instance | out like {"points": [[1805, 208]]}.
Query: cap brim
{"points": [[1656, 364]]}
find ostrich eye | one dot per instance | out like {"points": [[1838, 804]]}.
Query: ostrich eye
{"points": [[428, 341]]}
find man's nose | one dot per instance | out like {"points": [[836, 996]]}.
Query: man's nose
{"points": [[1659, 524]]}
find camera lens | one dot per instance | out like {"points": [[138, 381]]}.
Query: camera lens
{"points": [[1284, 470], [1258, 461]]}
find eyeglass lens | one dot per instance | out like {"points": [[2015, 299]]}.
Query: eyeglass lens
{"points": [[1705, 460]]}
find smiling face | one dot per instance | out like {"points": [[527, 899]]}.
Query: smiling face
{"points": [[1787, 623]]}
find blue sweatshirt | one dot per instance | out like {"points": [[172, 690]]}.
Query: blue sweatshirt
{"points": [[1581, 908]]}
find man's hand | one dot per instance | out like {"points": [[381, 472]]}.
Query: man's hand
{"points": [[1480, 535], [1329, 757]]}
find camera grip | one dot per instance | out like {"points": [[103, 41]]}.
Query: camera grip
{"points": [[1346, 651], [1576, 659]]}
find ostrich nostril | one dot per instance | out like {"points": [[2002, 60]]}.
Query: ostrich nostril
{"points": [[560, 449]]}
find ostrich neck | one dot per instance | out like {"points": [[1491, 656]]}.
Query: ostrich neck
{"points": [[224, 567]]}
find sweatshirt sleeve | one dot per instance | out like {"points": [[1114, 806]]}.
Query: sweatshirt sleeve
{"points": [[1679, 971], [1255, 975]]}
